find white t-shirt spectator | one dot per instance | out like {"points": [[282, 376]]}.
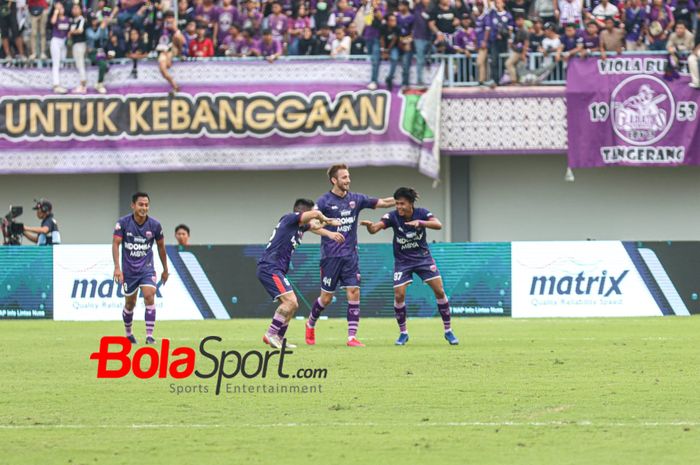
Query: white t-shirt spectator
{"points": [[570, 12], [341, 48], [608, 11], [550, 46]]}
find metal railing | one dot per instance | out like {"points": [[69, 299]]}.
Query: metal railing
{"points": [[460, 70]]}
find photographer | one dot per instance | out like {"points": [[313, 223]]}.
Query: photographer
{"points": [[47, 233]]}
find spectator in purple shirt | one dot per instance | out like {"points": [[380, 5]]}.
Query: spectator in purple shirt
{"points": [[589, 39], [635, 18], [661, 23], [295, 28], [252, 19], [344, 14], [571, 41], [226, 16], [248, 46], [421, 37], [465, 41], [270, 48], [277, 23], [229, 45], [207, 12]]}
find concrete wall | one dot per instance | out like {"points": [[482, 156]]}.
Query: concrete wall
{"points": [[526, 198], [243, 207], [506, 198], [220, 207]]}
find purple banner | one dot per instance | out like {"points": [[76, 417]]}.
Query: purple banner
{"points": [[623, 111], [228, 116]]}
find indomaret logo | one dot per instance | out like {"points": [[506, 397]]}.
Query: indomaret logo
{"points": [[604, 285]]}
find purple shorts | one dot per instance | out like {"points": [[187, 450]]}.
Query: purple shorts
{"points": [[343, 271], [274, 281], [404, 274], [133, 283]]}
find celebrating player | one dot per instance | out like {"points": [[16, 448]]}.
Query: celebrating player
{"points": [[136, 234], [412, 255], [339, 260], [274, 263]]}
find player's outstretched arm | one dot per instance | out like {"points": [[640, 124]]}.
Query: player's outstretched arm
{"points": [[432, 223], [318, 218], [387, 202], [118, 275], [164, 260], [373, 228], [318, 229]]}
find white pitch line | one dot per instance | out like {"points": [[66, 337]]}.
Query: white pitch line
{"points": [[582, 423]]}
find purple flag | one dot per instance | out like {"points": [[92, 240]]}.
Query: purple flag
{"points": [[624, 111]]}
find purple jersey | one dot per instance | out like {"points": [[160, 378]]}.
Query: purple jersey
{"points": [[278, 25], [226, 17], [466, 39], [480, 24], [590, 41], [273, 48], [346, 209], [137, 244], [421, 30], [284, 240], [410, 244], [345, 17], [570, 43], [405, 24], [60, 29], [634, 22], [210, 15]]}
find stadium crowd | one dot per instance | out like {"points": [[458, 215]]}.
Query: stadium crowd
{"points": [[398, 31]]}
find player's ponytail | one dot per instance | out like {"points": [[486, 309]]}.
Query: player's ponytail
{"points": [[407, 193]]}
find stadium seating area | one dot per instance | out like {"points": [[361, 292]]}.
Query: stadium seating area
{"points": [[490, 41]]}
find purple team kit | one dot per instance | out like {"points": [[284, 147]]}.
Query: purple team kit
{"points": [[137, 251], [411, 252], [274, 263], [339, 261]]}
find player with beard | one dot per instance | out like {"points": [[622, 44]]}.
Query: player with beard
{"points": [[136, 234], [339, 261], [412, 255], [274, 263]]}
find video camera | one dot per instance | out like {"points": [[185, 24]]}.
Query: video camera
{"points": [[11, 230]]}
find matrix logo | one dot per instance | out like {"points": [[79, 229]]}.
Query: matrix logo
{"points": [[579, 284], [106, 289], [180, 363]]}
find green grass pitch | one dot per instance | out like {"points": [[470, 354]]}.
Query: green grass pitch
{"points": [[569, 391]]}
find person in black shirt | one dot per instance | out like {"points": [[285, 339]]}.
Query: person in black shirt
{"points": [[47, 233], [357, 45], [518, 7], [136, 49], [308, 44], [443, 21], [389, 42], [536, 36]]}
